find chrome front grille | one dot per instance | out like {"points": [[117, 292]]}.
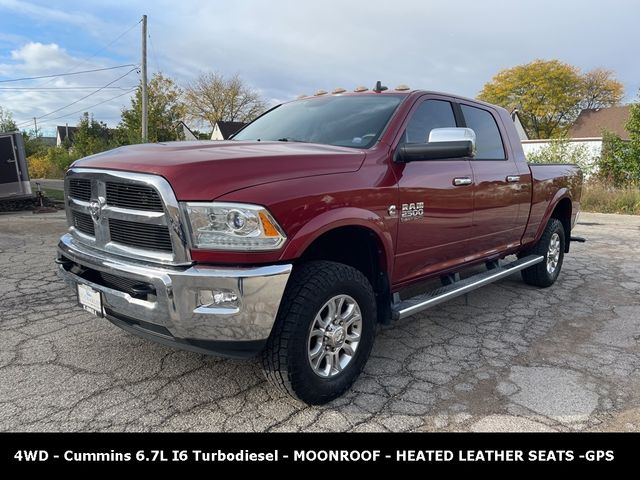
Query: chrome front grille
{"points": [[151, 237], [80, 188], [83, 222], [137, 197], [127, 214]]}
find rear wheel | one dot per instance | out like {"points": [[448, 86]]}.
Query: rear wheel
{"points": [[551, 245], [323, 334]]}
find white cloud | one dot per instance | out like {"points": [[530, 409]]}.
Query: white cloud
{"points": [[46, 13], [285, 48], [35, 59]]}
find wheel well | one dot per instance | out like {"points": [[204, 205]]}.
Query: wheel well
{"points": [[562, 212], [361, 249]]}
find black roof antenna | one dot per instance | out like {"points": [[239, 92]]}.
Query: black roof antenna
{"points": [[379, 87]]}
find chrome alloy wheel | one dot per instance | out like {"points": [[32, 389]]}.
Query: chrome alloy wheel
{"points": [[553, 254], [334, 336]]}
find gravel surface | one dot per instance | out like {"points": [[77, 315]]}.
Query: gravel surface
{"points": [[508, 357]]}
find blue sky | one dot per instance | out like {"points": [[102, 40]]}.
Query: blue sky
{"points": [[285, 48]]}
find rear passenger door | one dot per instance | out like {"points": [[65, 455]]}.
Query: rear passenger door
{"points": [[501, 194]]}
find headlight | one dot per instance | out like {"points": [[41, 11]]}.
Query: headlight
{"points": [[233, 226]]}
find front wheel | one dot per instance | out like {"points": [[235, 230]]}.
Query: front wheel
{"points": [[323, 333], [551, 245]]}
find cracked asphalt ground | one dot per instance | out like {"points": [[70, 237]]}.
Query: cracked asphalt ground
{"points": [[508, 357]]}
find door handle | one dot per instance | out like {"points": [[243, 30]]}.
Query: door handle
{"points": [[459, 181], [513, 178]]}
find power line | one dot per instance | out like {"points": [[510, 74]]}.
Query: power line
{"points": [[86, 108], [62, 88], [67, 74], [89, 95], [100, 50], [92, 106], [86, 96], [84, 60], [153, 51]]}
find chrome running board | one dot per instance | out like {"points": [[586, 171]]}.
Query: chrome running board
{"points": [[411, 306]]}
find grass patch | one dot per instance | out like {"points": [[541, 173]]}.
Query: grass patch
{"points": [[53, 194], [600, 198]]}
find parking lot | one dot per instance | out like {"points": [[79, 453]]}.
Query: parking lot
{"points": [[508, 357]]}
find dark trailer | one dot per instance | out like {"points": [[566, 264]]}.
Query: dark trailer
{"points": [[14, 176]]}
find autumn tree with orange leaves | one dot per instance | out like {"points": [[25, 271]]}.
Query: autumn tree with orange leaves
{"points": [[549, 94]]}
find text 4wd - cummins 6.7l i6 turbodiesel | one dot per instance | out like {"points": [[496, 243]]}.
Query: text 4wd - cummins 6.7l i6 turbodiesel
{"points": [[295, 238]]}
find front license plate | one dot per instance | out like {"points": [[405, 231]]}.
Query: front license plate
{"points": [[90, 299]]}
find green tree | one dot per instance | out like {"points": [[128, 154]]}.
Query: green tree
{"points": [[91, 137], [213, 98], [165, 110], [32, 144], [6, 121], [620, 161], [633, 124], [550, 94]]}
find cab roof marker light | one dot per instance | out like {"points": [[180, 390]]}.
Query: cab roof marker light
{"points": [[339, 90], [379, 88], [361, 88], [320, 92], [402, 87]]}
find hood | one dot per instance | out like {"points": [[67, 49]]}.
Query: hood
{"points": [[205, 170]]}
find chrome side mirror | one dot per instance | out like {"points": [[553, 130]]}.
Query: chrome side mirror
{"points": [[443, 144], [453, 134]]}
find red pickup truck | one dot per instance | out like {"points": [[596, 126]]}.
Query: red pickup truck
{"points": [[296, 237]]}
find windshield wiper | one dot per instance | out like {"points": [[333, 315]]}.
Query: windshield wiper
{"points": [[290, 139]]}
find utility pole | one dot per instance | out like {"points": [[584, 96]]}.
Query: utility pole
{"points": [[145, 95], [35, 124]]}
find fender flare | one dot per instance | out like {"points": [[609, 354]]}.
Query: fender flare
{"points": [[560, 195], [342, 217]]}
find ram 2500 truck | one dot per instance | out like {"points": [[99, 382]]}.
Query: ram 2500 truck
{"points": [[294, 239]]}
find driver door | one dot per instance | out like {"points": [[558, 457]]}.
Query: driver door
{"points": [[435, 200]]}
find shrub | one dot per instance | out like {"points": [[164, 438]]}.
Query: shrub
{"points": [[50, 163], [619, 164], [561, 150], [39, 166], [603, 198]]}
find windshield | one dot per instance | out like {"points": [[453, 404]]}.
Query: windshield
{"points": [[350, 121]]}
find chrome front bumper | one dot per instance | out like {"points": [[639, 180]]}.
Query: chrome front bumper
{"points": [[172, 315]]}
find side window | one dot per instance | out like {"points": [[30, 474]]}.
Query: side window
{"points": [[429, 115], [488, 140]]}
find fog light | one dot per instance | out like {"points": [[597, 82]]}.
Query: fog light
{"points": [[217, 298]]}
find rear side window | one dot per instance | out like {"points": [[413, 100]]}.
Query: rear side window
{"points": [[429, 115], [488, 140]]}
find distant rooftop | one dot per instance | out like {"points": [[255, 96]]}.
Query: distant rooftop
{"points": [[229, 128], [591, 122], [62, 131]]}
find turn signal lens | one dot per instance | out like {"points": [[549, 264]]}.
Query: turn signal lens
{"points": [[269, 229]]}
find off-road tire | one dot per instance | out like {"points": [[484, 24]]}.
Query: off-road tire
{"points": [[285, 358], [538, 275]]}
